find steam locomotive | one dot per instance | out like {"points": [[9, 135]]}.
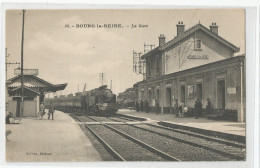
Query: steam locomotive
{"points": [[98, 101]]}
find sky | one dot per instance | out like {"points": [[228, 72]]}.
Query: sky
{"points": [[78, 55]]}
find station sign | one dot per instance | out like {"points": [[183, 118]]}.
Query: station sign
{"points": [[26, 71], [197, 57], [232, 90]]}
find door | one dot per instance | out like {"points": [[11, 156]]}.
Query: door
{"points": [[182, 94], [199, 90], [150, 97], [158, 95], [168, 97], [221, 94], [30, 108]]}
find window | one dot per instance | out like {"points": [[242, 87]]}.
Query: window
{"points": [[148, 69], [197, 44], [157, 65]]}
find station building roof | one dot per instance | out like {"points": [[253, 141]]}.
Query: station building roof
{"points": [[190, 31]]}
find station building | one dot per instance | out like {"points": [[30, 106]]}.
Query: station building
{"points": [[197, 63], [35, 89]]}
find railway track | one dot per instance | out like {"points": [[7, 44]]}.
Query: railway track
{"points": [[125, 147], [184, 146], [102, 119], [188, 133]]}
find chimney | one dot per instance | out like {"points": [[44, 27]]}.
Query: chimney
{"points": [[180, 28], [214, 28], [161, 39]]}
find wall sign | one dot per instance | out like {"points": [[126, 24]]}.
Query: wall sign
{"points": [[26, 71], [231, 90], [197, 57]]}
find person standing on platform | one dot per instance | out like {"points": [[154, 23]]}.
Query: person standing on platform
{"points": [[196, 109], [141, 105], [181, 109], [153, 104], [146, 106], [51, 111], [208, 107], [199, 107], [137, 105], [42, 110], [157, 106], [176, 108]]}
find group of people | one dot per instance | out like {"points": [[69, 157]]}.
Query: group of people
{"points": [[144, 106], [9, 119], [179, 109], [50, 113]]}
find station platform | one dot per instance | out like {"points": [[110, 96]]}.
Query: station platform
{"points": [[227, 127], [58, 140]]}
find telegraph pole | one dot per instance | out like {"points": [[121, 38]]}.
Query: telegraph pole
{"points": [[22, 86], [8, 63]]}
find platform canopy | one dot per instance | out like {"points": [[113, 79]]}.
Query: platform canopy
{"points": [[32, 83]]}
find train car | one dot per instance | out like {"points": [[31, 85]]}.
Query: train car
{"points": [[47, 102], [127, 98], [99, 101]]}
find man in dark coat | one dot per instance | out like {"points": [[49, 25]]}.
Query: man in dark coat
{"points": [[196, 109], [51, 111], [176, 108], [146, 106], [137, 106], [199, 107], [208, 107], [141, 106], [157, 109]]}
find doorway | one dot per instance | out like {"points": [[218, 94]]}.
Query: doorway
{"points": [[150, 97], [158, 95], [168, 97], [199, 90], [18, 108], [221, 94], [182, 94]]}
